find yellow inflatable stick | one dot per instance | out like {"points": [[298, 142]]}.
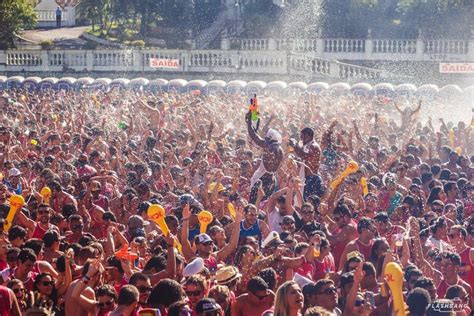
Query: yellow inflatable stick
{"points": [[157, 213], [212, 187], [365, 187], [451, 138], [231, 208], [352, 167], [46, 194], [394, 276], [16, 203], [34, 142], [204, 218]]}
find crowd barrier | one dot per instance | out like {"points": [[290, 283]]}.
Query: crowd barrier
{"points": [[237, 86]]}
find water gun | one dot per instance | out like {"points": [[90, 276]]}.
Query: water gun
{"points": [[254, 111], [394, 277], [125, 254], [365, 187], [16, 203], [46, 194], [351, 168], [204, 218], [157, 213]]}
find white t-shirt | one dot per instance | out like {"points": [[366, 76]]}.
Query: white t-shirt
{"points": [[274, 220]]}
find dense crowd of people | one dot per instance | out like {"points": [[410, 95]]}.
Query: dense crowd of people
{"points": [[131, 203]]}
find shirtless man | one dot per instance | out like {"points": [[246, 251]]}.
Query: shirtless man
{"points": [[310, 153], [408, 115], [80, 297], [59, 198], [271, 160]]}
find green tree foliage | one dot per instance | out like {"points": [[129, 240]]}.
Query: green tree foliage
{"points": [[15, 15], [138, 16]]}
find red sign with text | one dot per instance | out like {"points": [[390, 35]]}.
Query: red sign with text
{"points": [[456, 68], [164, 63]]}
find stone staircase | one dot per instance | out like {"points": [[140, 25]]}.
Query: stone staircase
{"points": [[207, 36]]}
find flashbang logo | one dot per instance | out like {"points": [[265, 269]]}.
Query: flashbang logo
{"points": [[447, 306]]}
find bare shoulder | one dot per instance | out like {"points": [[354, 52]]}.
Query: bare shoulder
{"points": [[89, 293]]}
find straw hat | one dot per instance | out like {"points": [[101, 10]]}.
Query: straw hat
{"points": [[227, 274]]}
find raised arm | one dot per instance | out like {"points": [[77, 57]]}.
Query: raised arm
{"points": [[350, 303], [26, 222], [77, 294], [421, 262], [186, 246], [253, 135], [234, 238], [170, 271], [64, 285], [273, 200], [397, 107], [415, 112]]}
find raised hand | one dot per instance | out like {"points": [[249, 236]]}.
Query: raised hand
{"points": [[170, 239], [186, 212]]}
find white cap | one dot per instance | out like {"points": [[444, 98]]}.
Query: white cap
{"points": [[273, 235], [274, 135], [194, 267], [301, 280], [14, 172]]}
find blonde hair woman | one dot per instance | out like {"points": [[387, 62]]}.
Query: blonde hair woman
{"points": [[289, 300]]}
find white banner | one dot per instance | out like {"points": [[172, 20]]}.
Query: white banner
{"points": [[456, 68], [164, 63]]}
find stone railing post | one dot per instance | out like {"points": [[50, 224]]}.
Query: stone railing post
{"points": [[186, 57], [369, 48], [419, 49], [90, 60], [45, 60], [137, 60], [3, 60], [334, 69], [470, 47], [272, 45], [319, 47]]}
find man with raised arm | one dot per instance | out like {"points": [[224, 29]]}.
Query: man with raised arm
{"points": [[271, 160], [310, 153]]}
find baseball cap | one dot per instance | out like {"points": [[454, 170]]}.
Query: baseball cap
{"points": [[286, 236], [287, 219], [203, 238], [207, 305], [14, 172]]}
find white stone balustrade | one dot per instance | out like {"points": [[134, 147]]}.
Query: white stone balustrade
{"points": [[308, 58], [48, 15], [364, 49]]}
